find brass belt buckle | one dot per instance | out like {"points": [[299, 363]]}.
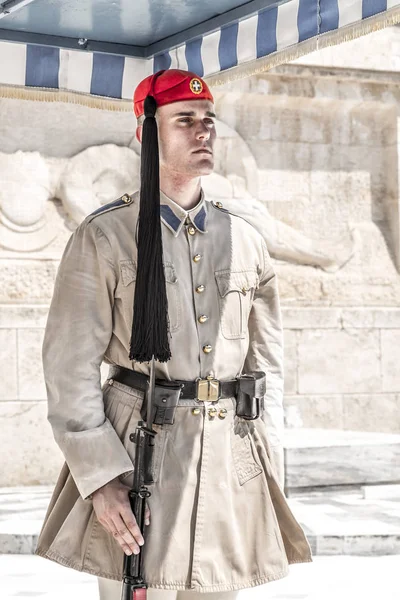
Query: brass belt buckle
{"points": [[208, 390]]}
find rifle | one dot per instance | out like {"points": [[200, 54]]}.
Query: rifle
{"points": [[162, 400], [134, 587]]}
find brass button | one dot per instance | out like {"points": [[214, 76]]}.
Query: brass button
{"points": [[212, 412], [111, 381], [222, 413], [200, 288], [126, 198], [244, 290], [197, 257], [196, 411], [202, 318], [207, 349], [191, 230], [219, 205]]}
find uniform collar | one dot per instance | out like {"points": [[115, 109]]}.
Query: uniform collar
{"points": [[174, 216]]}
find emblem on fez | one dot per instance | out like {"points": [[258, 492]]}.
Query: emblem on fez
{"points": [[196, 86]]}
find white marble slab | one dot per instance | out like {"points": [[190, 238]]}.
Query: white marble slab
{"points": [[318, 457], [308, 438]]}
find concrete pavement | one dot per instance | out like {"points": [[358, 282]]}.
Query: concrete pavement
{"points": [[24, 577]]}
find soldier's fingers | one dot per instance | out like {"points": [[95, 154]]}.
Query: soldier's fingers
{"points": [[123, 536], [130, 522], [108, 525]]}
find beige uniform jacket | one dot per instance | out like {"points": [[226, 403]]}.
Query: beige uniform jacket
{"points": [[219, 517]]}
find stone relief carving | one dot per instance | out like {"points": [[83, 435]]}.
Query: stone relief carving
{"points": [[27, 182], [100, 174]]}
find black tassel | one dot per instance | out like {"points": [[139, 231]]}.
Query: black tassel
{"points": [[150, 326]]}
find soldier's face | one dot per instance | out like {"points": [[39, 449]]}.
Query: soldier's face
{"points": [[186, 132]]}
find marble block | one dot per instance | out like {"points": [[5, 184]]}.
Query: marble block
{"points": [[371, 412], [27, 281], [21, 317], [372, 545], [8, 364], [314, 411], [367, 318], [30, 369], [330, 545], [390, 344], [311, 318], [320, 457], [16, 544], [382, 492], [358, 412], [334, 361], [30, 455], [290, 366]]}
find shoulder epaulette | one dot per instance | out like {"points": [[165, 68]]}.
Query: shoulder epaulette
{"points": [[226, 210], [122, 201]]}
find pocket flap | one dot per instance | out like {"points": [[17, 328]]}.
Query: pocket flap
{"points": [[239, 281], [129, 269], [170, 275]]}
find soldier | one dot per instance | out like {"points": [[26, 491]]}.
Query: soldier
{"points": [[217, 520]]}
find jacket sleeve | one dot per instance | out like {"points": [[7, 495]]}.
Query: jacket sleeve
{"points": [[77, 334], [265, 353]]}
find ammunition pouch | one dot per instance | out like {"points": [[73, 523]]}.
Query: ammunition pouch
{"points": [[166, 397], [250, 396]]}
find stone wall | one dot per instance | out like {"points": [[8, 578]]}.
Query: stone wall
{"points": [[342, 368], [317, 146], [29, 454]]}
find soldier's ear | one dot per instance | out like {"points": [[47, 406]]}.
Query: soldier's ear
{"points": [[139, 130]]}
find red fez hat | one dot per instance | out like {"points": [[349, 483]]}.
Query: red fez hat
{"points": [[173, 85]]}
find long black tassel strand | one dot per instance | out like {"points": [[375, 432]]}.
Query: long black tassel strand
{"points": [[150, 326]]}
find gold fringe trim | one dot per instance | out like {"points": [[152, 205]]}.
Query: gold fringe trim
{"points": [[56, 95], [254, 67], [330, 38]]}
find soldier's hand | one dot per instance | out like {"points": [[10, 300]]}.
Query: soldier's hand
{"points": [[113, 510]]}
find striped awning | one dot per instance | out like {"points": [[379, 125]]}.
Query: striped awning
{"points": [[268, 37]]}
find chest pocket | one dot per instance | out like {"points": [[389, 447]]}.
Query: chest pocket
{"points": [[128, 279], [236, 292]]}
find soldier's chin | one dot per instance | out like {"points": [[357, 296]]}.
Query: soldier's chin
{"points": [[204, 166]]}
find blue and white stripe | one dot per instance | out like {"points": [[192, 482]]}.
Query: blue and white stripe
{"points": [[268, 32]]}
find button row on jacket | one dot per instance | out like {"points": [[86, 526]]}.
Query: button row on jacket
{"points": [[212, 412], [200, 288], [202, 318]]}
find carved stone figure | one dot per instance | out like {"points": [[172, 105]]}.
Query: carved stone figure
{"points": [[100, 174]]}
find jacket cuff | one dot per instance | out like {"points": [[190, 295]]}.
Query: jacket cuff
{"points": [[95, 457]]}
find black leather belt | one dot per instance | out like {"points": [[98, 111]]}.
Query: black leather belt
{"points": [[202, 389]]}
